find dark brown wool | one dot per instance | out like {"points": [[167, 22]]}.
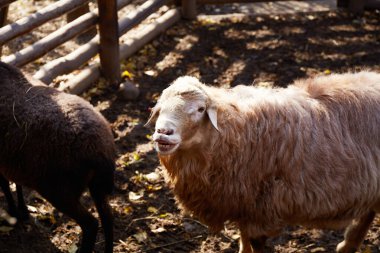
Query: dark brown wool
{"points": [[58, 145]]}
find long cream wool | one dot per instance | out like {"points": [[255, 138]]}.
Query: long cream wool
{"points": [[308, 154]]}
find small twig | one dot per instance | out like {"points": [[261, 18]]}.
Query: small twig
{"points": [[203, 225], [99, 242], [138, 219], [144, 218], [174, 243], [195, 221]]}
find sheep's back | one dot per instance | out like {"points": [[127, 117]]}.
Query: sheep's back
{"points": [[48, 131], [329, 168]]}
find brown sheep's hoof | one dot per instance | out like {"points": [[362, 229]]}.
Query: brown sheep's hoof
{"points": [[344, 247], [22, 214]]}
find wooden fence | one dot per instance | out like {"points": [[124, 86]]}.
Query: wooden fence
{"points": [[105, 43]]}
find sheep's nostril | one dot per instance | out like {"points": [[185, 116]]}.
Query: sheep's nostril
{"points": [[165, 131]]}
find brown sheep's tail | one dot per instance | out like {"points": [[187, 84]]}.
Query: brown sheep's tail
{"points": [[101, 186]]}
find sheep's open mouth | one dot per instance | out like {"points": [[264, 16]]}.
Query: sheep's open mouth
{"points": [[165, 146]]}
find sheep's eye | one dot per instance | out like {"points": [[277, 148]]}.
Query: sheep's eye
{"points": [[201, 109]]}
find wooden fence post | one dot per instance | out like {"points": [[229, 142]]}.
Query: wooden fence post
{"points": [[3, 20], [109, 41], [86, 36], [189, 9]]}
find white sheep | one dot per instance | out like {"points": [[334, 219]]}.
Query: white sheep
{"points": [[266, 158]]}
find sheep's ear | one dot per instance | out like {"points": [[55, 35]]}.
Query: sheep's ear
{"points": [[153, 116], [212, 113]]}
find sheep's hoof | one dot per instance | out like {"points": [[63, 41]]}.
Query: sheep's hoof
{"points": [[22, 214], [344, 247]]}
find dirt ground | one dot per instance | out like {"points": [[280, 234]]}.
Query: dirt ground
{"points": [[267, 50]]}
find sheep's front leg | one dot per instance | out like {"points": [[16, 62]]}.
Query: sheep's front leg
{"points": [[355, 234], [4, 184], [251, 245]]}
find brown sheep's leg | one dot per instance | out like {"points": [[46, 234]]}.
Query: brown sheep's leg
{"points": [[23, 212], [71, 206], [249, 245], [4, 184], [105, 215], [258, 244], [245, 243], [355, 234]]}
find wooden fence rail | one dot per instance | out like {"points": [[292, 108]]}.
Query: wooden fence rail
{"points": [[38, 18], [80, 56], [106, 43], [142, 36], [52, 40]]}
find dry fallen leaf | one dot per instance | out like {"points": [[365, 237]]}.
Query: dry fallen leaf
{"points": [[73, 248], [150, 73], [127, 74], [153, 188], [152, 177], [152, 209], [141, 236], [158, 230], [133, 196], [136, 156], [128, 210], [163, 215], [367, 250], [32, 209], [5, 229]]}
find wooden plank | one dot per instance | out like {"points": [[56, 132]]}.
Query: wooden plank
{"points": [[75, 59], [76, 13], [189, 9], [4, 3], [89, 75], [109, 40], [3, 20], [38, 18], [52, 40], [71, 16], [142, 12]]}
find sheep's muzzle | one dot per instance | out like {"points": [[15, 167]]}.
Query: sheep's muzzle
{"points": [[163, 144]]}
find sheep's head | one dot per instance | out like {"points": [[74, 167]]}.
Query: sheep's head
{"points": [[182, 113]]}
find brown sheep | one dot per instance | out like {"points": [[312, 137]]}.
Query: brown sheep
{"points": [[265, 158], [58, 145]]}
